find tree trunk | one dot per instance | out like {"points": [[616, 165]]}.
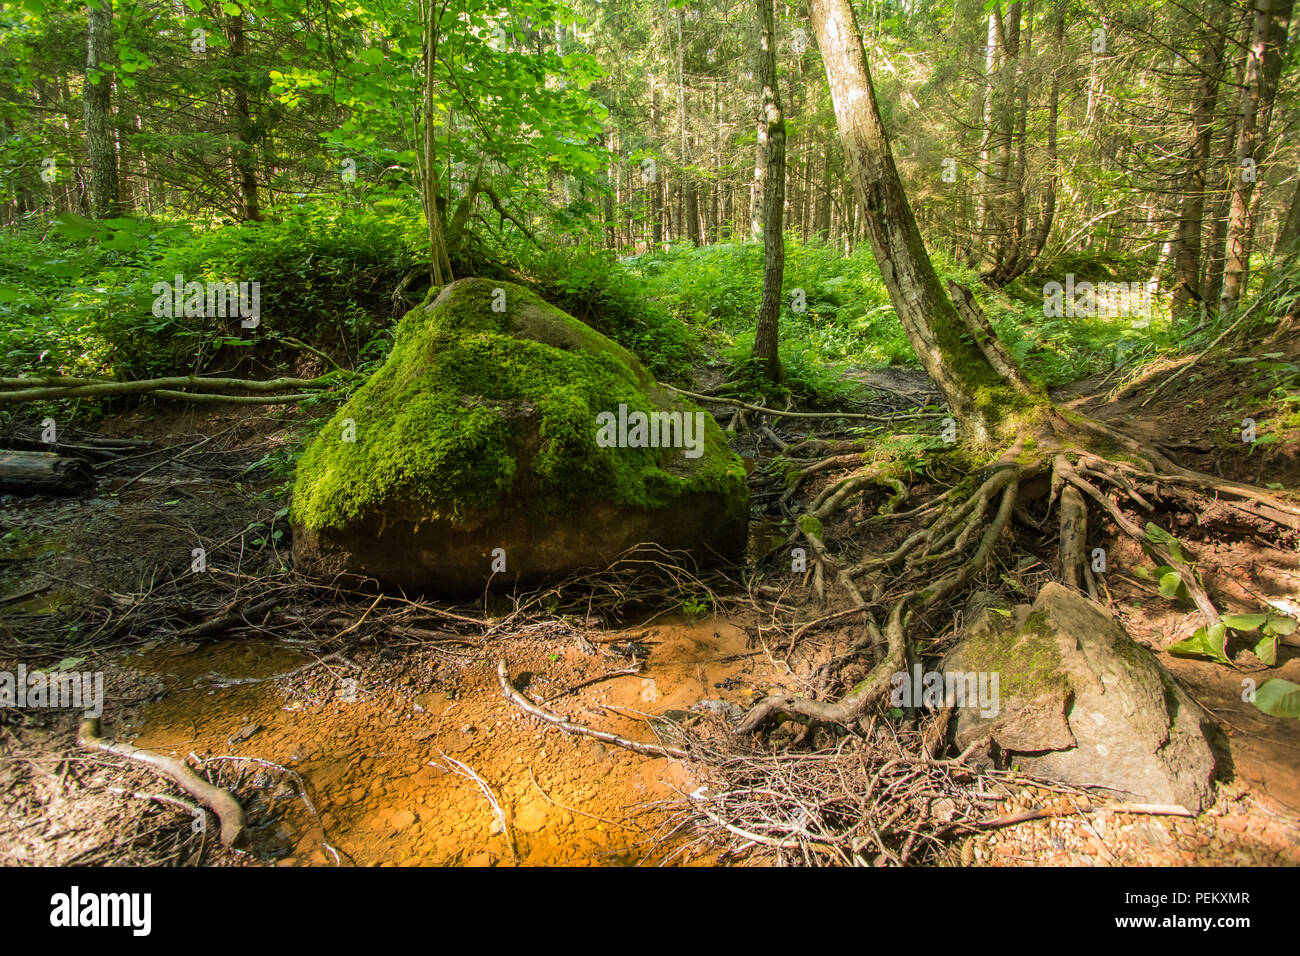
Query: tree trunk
{"points": [[1043, 228], [822, 209], [1187, 241], [43, 473], [1254, 113], [1289, 231], [979, 397], [771, 140], [439, 260], [98, 101], [245, 152]]}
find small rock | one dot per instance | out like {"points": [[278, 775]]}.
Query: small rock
{"points": [[531, 818], [402, 819], [245, 732], [717, 706]]}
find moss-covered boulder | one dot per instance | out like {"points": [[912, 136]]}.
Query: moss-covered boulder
{"points": [[501, 433]]}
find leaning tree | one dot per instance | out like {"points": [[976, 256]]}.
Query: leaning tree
{"points": [[1030, 453]]}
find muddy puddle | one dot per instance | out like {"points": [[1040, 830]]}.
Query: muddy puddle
{"points": [[389, 748]]}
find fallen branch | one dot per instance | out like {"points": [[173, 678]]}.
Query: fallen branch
{"points": [[515, 697], [43, 473], [225, 806], [1150, 809], [233, 615], [1266, 295], [745, 406], [35, 389]]}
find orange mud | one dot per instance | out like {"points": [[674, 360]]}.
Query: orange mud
{"points": [[375, 766]]}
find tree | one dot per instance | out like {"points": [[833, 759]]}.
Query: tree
{"points": [[1040, 447], [1187, 240], [771, 139], [244, 152], [1254, 115], [427, 158], [101, 153], [979, 394]]}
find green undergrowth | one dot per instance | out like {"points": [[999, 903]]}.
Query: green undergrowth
{"points": [[78, 297], [836, 310]]}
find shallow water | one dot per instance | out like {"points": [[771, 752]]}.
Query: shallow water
{"points": [[381, 762]]}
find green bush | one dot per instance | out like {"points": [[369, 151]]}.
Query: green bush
{"points": [[80, 299], [597, 288]]}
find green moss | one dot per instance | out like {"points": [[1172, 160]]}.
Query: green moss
{"points": [[810, 525], [992, 398], [1028, 660], [467, 416]]}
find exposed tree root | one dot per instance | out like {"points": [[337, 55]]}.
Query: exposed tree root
{"points": [[958, 536]]}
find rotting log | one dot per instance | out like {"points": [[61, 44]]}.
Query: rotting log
{"points": [[43, 473]]}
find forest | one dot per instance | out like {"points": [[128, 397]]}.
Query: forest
{"points": [[649, 433]]}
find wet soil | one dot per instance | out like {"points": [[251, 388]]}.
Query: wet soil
{"points": [[400, 752]]}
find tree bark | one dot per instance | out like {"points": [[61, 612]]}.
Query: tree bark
{"points": [[977, 394], [1187, 240], [1290, 227], [1254, 114], [246, 151], [43, 473], [771, 140], [439, 260], [98, 103]]}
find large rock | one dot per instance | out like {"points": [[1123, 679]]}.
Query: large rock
{"points": [[1082, 703], [480, 433]]}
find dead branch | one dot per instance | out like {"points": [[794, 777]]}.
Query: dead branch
{"points": [[220, 802], [515, 697], [201, 389], [745, 406]]}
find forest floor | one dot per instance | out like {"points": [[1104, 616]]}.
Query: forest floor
{"points": [[384, 739]]}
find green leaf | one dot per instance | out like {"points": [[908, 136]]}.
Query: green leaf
{"points": [[1171, 585], [1215, 639], [1278, 698], [75, 227], [69, 662], [1203, 644], [1266, 650], [1158, 535], [1193, 646], [1244, 622], [1280, 624], [371, 56]]}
